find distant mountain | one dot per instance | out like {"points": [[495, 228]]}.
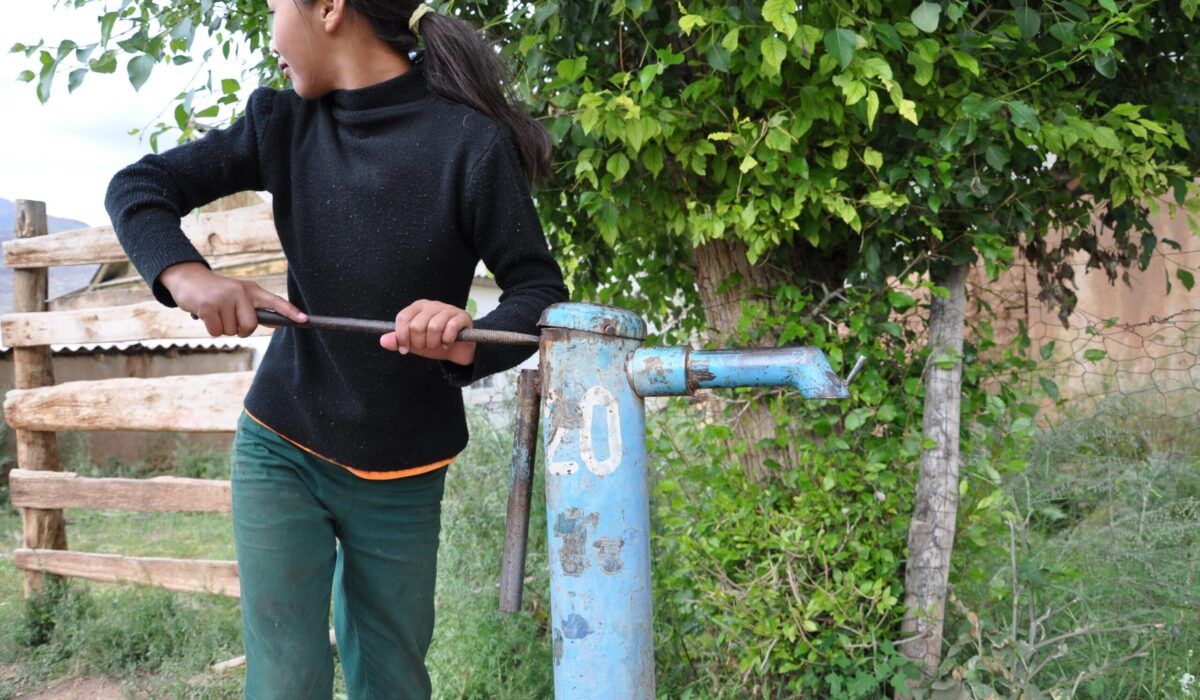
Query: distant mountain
{"points": [[62, 279]]}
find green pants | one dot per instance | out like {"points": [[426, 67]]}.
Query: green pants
{"points": [[307, 529]]}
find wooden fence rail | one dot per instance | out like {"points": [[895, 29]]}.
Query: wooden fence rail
{"points": [[111, 324], [202, 403], [185, 575], [171, 494], [246, 230], [38, 408]]}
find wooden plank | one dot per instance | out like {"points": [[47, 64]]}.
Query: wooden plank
{"points": [[202, 403], [183, 575], [161, 494], [122, 296], [245, 230], [42, 529], [148, 319]]}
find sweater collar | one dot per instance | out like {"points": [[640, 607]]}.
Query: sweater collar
{"points": [[407, 87]]}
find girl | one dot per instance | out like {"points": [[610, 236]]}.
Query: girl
{"points": [[390, 179]]}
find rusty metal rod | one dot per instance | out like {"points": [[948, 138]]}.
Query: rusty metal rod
{"points": [[356, 325], [520, 491]]}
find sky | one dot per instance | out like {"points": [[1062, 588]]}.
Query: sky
{"points": [[64, 152]]}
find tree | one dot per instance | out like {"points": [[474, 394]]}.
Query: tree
{"points": [[728, 167]]}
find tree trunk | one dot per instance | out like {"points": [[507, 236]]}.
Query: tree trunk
{"points": [[726, 279], [931, 533]]}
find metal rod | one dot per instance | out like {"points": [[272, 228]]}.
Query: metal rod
{"points": [[862, 360], [356, 325], [520, 491]]}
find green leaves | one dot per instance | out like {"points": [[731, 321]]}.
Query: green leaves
{"points": [[967, 62], [688, 23], [1105, 137], [1106, 64], [926, 16], [139, 70], [618, 166], [976, 106], [572, 69], [782, 15], [1028, 21], [996, 156], [1024, 116], [1050, 387], [841, 44], [46, 75], [773, 52], [872, 108], [107, 63], [75, 79]]}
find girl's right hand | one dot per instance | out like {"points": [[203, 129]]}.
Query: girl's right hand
{"points": [[227, 306]]}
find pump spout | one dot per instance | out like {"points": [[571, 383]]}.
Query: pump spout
{"points": [[681, 371]]}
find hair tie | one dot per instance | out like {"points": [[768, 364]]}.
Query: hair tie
{"points": [[415, 20]]}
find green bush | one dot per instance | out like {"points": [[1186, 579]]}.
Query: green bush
{"points": [[793, 586]]}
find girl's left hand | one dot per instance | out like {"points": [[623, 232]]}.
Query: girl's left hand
{"points": [[429, 328]]}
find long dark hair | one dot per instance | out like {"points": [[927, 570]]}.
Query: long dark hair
{"points": [[462, 67]]}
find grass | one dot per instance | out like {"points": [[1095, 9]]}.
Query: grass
{"points": [[156, 643], [1106, 550], [479, 652], [1109, 539], [162, 644]]}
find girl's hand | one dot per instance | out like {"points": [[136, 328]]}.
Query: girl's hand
{"points": [[227, 306], [429, 328]]}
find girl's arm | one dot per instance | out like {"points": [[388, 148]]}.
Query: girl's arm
{"points": [[146, 201], [507, 235]]}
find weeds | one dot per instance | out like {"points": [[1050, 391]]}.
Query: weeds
{"points": [[478, 651], [1095, 593]]}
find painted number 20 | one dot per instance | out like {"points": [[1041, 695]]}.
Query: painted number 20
{"points": [[593, 397]]}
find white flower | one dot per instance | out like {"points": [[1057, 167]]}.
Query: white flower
{"points": [[1186, 681]]}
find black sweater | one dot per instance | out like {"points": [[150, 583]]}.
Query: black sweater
{"points": [[382, 196]]}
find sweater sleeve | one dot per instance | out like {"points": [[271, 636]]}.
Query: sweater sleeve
{"points": [[507, 235], [147, 199]]}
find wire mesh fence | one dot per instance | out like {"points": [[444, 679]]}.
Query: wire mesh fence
{"points": [[1128, 345]]}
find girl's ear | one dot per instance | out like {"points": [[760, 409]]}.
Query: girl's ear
{"points": [[331, 13]]}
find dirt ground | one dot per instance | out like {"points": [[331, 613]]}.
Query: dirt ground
{"points": [[88, 688], [80, 689]]}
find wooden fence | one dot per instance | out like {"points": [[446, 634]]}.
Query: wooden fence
{"points": [[38, 408]]}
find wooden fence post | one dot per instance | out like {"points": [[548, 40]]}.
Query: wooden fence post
{"points": [[44, 529]]}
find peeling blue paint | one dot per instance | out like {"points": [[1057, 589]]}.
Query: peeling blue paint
{"points": [[572, 527], [681, 371], [610, 554], [575, 627]]}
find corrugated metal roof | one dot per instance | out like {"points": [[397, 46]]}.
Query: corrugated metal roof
{"points": [[138, 348]]}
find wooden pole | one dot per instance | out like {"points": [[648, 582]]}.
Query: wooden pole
{"points": [[44, 529], [931, 533]]}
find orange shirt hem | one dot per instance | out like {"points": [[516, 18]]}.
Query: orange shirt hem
{"points": [[373, 476]]}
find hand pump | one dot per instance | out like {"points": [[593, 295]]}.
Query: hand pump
{"points": [[587, 396]]}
